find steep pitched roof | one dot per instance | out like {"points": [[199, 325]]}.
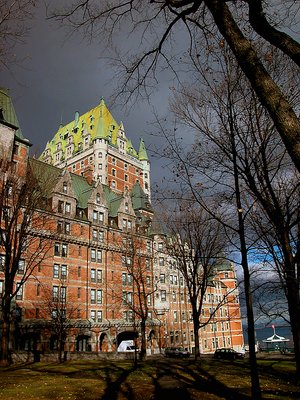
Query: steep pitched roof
{"points": [[9, 115], [143, 156], [98, 122]]}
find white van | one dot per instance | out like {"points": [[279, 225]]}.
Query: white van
{"points": [[126, 346]]}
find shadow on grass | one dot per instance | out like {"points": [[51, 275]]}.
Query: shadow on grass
{"points": [[178, 381]]}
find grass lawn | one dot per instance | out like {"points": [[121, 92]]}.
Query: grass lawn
{"points": [[154, 379]]}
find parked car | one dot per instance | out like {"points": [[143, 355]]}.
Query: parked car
{"points": [[179, 352], [228, 354]]}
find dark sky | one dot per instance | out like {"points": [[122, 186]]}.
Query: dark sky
{"points": [[60, 75]]}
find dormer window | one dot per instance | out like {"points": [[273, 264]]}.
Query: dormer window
{"points": [[65, 187], [126, 207], [98, 198]]}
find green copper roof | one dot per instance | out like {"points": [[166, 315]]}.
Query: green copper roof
{"points": [[143, 156], [140, 200], [98, 123], [9, 114]]}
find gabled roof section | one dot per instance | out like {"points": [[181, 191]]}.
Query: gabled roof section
{"points": [[8, 114], [139, 198], [47, 176]]}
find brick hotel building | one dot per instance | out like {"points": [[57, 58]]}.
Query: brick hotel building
{"points": [[98, 209]]}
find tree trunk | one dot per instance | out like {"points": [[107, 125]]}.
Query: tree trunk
{"points": [[255, 385], [143, 339], [269, 94], [196, 332], [5, 356]]}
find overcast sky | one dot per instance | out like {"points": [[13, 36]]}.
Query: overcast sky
{"points": [[61, 75]]}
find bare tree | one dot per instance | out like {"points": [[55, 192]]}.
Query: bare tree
{"points": [[139, 300], [23, 246], [197, 243], [59, 312], [14, 17], [155, 26]]}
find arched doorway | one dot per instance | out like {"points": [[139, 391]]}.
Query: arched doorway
{"points": [[126, 335], [83, 343], [104, 344]]}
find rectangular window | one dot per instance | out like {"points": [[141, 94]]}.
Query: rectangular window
{"points": [[93, 315], [63, 272], [161, 261], [99, 275], [124, 278], [175, 316], [55, 271], [129, 225], [101, 236], [63, 293], [171, 279], [149, 300], [60, 206], [21, 267], [95, 216], [79, 272], [64, 250], [93, 275], [59, 226], [67, 208], [93, 296], [67, 228], [95, 234], [162, 278], [1, 288], [99, 296], [55, 293], [163, 295], [57, 249], [93, 254], [174, 296], [101, 216], [129, 279], [78, 292], [99, 316], [148, 281], [99, 256], [19, 289]]}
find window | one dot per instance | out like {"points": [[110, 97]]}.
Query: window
{"points": [[129, 225], [67, 228], [162, 278], [60, 206], [148, 281], [93, 275], [113, 184], [93, 315], [124, 278], [160, 246], [163, 295], [21, 267], [99, 256], [57, 249], [93, 296], [175, 279], [95, 234], [126, 178], [55, 293], [65, 187], [129, 279], [1, 288], [79, 272], [99, 316], [64, 250], [129, 298], [55, 271], [113, 161], [175, 316], [67, 208], [101, 236], [113, 172], [63, 293], [19, 289], [99, 275], [63, 272], [78, 292], [161, 261], [38, 289], [98, 198], [93, 254], [101, 216], [171, 279], [149, 302], [99, 296], [174, 296], [2, 261], [59, 226], [147, 264]]}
